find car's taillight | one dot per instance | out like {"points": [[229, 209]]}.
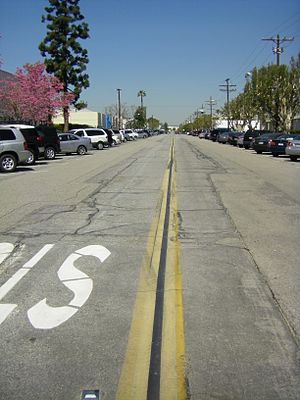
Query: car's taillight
{"points": [[25, 144], [272, 143], [39, 139], [290, 144]]}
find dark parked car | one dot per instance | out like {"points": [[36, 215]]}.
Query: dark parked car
{"points": [[261, 144], [223, 137], [49, 142], [233, 137], [278, 145], [215, 132], [249, 136]]}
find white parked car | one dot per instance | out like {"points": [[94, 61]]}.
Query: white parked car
{"points": [[120, 135], [70, 143], [98, 136], [293, 149], [136, 135], [129, 134]]}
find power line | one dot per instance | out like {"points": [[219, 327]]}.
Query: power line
{"points": [[228, 88], [211, 103], [278, 50]]}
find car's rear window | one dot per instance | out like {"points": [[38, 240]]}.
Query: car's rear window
{"points": [[29, 132], [94, 133], [7, 134], [47, 131]]}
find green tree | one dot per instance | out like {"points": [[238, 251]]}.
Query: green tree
{"points": [[278, 94], [141, 94], [139, 121], [153, 123], [64, 56], [80, 105], [271, 95], [165, 126]]}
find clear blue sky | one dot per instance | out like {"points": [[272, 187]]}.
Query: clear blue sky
{"points": [[178, 51]]}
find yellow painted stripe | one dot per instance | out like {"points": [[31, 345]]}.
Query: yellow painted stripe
{"points": [[134, 375], [172, 382]]}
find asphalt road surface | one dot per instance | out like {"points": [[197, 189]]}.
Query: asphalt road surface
{"points": [[162, 269]]}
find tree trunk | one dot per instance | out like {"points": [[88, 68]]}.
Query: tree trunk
{"points": [[66, 119]]}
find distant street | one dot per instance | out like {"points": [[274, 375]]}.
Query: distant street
{"points": [[165, 268]]}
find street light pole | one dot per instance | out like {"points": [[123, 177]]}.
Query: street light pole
{"points": [[119, 108]]}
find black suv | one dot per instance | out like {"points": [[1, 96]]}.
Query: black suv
{"points": [[251, 135], [48, 140]]}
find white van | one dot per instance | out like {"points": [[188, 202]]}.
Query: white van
{"points": [[98, 136]]}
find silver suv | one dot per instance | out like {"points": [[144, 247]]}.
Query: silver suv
{"points": [[98, 136], [13, 149]]}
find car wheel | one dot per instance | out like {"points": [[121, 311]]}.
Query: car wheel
{"points": [[81, 150], [275, 155], [8, 163], [246, 147], [31, 159], [100, 146], [293, 158], [49, 153], [258, 152]]}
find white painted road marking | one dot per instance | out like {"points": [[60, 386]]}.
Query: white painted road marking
{"points": [[6, 309], [43, 316], [5, 250]]}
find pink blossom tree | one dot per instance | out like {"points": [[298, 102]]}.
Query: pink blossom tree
{"points": [[34, 96]]}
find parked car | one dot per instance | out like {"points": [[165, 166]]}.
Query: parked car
{"points": [[128, 133], [233, 137], [120, 135], [249, 137], [201, 135], [142, 134], [98, 136], [31, 136], [293, 149], [135, 134], [240, 140], [215, 132], [48, 140], [70, 143], [13, 149], [223, 137], [261, 144], [114, 138], [278, 145]]}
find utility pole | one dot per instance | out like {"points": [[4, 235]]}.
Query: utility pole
{"points": [[211, 103], [119, 108], [228, 88], [278, 50]]}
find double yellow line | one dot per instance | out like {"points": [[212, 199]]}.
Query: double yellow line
{"points": [[153, 368]]}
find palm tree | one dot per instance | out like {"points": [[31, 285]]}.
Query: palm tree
{"points": [[141, 94]]}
